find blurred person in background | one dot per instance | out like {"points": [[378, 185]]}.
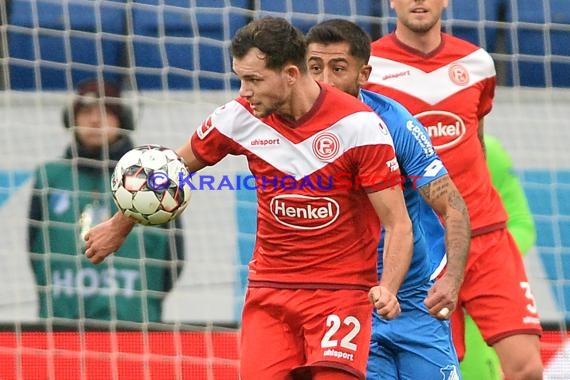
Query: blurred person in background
{"points": [[481, 361], [72, 194]]}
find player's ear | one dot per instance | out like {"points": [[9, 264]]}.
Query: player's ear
{"points": [[292, 72], [364, 74]]}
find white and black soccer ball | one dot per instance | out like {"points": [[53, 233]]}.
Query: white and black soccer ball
{"points": [[148, 184]]}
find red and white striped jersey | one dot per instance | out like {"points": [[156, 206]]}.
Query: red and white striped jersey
{"points": [[316, 227], [448, 90]]}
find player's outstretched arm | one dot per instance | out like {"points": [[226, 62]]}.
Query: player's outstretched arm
{"points": [[398, 242], [192, 163], [107, 237], [445, 199]]}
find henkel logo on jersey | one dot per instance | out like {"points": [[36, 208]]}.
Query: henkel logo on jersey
{"points": [[445, 129], [304, 212]]}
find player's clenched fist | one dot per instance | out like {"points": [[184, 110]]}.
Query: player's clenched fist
{"points": [[385, 303], [107, 237]]}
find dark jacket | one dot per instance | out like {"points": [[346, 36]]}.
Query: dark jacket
{"points": [[70, 195]]}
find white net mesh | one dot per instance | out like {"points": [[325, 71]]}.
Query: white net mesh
{"points": [[171, 58]]}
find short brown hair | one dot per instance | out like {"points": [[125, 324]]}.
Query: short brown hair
{"points": [[340, 30], [274, 36]]}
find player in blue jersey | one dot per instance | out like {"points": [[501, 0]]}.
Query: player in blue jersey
{"points": [[417, 344]]}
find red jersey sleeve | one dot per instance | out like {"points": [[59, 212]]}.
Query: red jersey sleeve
{"points": [[211, 151], [487, 95], [376, 164], [211, 142]]}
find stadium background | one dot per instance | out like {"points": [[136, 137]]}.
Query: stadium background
{"points": [[171, 56]]}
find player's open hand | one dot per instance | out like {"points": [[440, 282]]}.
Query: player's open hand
{"points": [[442, 297], [385, 303], [106, 238]]}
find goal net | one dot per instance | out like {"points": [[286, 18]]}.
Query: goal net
{"points": [[171, 59]]}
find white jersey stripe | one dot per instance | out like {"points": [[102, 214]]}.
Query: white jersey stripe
{"points": [[417, 83], [297, 160]]}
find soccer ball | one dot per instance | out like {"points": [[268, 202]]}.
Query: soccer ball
{"points": [[148, 184]]}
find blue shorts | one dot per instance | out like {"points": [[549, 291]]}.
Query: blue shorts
{"points": [[415, 345]]}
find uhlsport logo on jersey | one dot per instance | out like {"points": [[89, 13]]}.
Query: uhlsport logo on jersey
{"points": [[304, 212], [445, 129]]}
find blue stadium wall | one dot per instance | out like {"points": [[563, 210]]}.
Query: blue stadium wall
{"points": [[194, 43]]}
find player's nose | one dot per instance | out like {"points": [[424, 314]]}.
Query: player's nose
{"points": [[244, 91], [327, 77]]}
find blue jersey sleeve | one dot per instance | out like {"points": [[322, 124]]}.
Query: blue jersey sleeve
{"points": [[420, 164], [416, 155]]}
